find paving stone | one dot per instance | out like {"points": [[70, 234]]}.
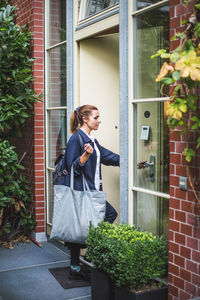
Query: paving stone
{"points": [[24, 274]]}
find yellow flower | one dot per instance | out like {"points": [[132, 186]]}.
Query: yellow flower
{"points": [[189, 65]]}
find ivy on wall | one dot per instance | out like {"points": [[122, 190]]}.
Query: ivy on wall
{"points": [[16, 106], [181, 70]]}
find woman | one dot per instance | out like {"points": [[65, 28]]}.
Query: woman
{"points": [[86, 159]]}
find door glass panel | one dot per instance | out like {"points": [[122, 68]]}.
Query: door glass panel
{"points": [[152, 147], [152, 35], [92, 7], [57, 22], [151, 213], [57, 134], [57, 77]]}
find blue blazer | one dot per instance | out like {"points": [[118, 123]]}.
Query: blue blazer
{"points": [[72, 157]]}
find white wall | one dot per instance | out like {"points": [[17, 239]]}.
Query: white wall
{"points": [[99, 85]]}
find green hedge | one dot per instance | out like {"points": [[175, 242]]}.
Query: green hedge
{"points": [[131, 257]]}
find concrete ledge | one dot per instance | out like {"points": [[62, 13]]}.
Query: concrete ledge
{"points": [[39, 236]]}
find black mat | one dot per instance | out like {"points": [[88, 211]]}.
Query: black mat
{"points": [[61, 275]]}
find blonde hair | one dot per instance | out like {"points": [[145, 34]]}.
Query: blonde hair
{"points": [[76, 119]]}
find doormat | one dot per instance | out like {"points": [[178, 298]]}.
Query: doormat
{"points": [[61, 275]]}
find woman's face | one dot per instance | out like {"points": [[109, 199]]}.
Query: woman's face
{"points": [[93, 121]]}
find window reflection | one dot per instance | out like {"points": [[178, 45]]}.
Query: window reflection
{"points": [[152, 34], [92, 7], [57, 134], [152, 214], [57, 76], [144, 3], [57, 22]]}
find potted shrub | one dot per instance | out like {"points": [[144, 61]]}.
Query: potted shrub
{"points": [[131, 258]]}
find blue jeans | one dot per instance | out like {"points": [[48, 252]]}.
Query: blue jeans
{"points": [[110, 217]]}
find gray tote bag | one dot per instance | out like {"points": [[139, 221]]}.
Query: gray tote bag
{"points": [[74, 210]]}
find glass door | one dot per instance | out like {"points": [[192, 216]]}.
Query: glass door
{"points": [[151, 134]]}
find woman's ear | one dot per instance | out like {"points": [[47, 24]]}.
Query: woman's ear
{"points": [[85, 120]]}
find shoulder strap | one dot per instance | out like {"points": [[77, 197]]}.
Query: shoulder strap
{"points": [[81, 141]]}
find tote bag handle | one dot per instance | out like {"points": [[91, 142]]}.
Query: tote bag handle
{"points": [[85, 184]]}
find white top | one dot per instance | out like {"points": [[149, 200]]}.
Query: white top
{"points": [[97, 180]]}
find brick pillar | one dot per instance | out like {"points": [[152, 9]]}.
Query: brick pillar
{"points": [[31, 12], [184, 227]]}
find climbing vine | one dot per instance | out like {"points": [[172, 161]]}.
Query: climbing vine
{"points": [[181, 70]]}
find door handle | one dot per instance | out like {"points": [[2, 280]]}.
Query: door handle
{"points": [[151, 165]]}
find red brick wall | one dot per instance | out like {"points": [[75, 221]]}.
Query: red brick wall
{"points": [[184, 228], [31, 12]]}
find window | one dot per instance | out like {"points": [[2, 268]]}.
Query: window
{"points": [[89, 8], [55, 86], [144, 3], [151, 133]]}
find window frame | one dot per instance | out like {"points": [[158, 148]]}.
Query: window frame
{"points": [[48, 109], [105, 13]]}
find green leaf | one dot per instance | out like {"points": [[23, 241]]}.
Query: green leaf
{"points": [[177, 88], [183, 22], [197, 29], [189, 154], [188, 46], [173, 38], [159, 53], [198, 143], [174, 57], [167, 80], [196, 121], [181, 122], [6, 229], [197, 6], [180, 35], [176, 75], [165, 55]]}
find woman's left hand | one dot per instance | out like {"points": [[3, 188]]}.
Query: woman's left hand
{"points": [[88, 149]]}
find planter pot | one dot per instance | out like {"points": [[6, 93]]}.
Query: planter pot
{"points": [[154, 294], [102, 287]]}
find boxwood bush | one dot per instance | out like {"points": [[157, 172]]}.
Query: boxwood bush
{"points": [[132, 258]]}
